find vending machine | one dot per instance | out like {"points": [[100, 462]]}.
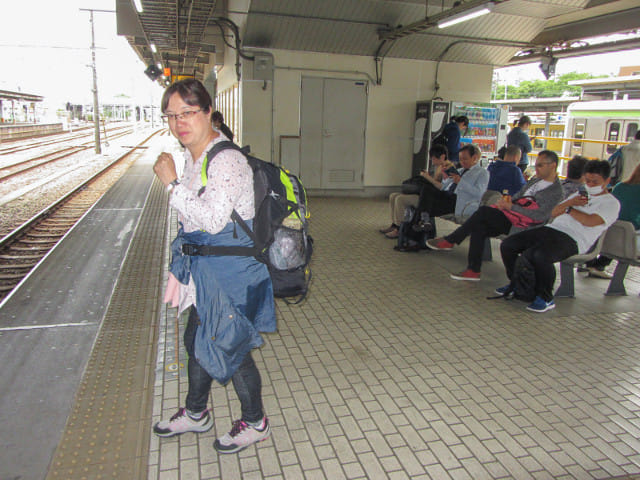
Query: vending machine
{"points": [[488, 127], [431, 117]]}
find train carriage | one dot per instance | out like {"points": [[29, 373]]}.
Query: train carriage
{"points": [[615, 121]]}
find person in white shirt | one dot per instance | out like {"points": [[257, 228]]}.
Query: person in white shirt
{"points": [[576, 225]]}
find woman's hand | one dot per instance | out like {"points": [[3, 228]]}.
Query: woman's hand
{"points": [[165, 168]]}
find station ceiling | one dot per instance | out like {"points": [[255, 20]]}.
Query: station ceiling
{"points": [[189, 35]]}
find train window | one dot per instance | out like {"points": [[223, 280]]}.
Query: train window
{"points": [[632, 129], [578, 132], [537, 143], [613, 135]]}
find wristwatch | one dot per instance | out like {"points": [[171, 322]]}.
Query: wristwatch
{"points": [[173, 185], [568, 209]]}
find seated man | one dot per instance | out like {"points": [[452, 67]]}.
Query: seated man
{"points": [[504, 174], [577, 224], [507, 215], [463, 196], [399, 201], [627, 193], [575, 175]]}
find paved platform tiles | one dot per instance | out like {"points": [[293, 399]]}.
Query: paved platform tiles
{"points": [[391, 370]]}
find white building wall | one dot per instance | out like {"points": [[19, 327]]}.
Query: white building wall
{"points": [[390, 110]]}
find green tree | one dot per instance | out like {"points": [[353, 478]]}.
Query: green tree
{"points": [[546, 88]]}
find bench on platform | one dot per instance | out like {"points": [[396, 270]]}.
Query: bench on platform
{"points": [[620, 244], [567, 285]]}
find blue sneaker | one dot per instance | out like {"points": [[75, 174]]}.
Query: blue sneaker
{"points": [[540, 306], [504, 290]]}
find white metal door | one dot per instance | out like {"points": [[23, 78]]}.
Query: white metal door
{"points": [[332, 124]]}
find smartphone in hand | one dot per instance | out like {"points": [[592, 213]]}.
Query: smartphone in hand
{"points": [[582, 191]]}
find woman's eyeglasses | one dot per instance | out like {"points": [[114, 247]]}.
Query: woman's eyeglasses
{"points": [[180, 116]]}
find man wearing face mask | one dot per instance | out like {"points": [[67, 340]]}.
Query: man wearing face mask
{"points": [[577, 224]]}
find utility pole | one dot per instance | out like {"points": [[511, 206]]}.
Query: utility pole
{"points": [[96, 106]]}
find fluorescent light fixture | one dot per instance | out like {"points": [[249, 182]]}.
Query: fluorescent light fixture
{"points": [[153, 47], [464, 16], [138, 4]]}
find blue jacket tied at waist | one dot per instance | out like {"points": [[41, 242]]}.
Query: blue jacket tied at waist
{"points": [[234, 299]]}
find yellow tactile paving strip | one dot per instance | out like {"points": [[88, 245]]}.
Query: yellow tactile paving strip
{"points": [[107, 433]]}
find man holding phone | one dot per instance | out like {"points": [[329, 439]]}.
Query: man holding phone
{"points": [[463, 195], [577, 224]]}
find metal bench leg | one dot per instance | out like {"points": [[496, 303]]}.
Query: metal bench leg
{"points": [[487, 255], [616, 285], [566, 288]]}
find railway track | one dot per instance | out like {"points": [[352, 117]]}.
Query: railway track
{"points": [[23, 166], [79, 134], [24, 247]]}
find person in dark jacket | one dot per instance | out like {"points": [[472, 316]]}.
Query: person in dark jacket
{"points": [[575, 175], [505, 216], [519, 136], [504, 174], [452, 132], [229, 298], [218, 122]]}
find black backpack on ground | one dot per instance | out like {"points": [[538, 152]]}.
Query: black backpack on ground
{"points": [[280, 226], [415, 230], [523, 282]]}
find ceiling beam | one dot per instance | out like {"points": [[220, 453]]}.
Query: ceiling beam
{"points": [[625, 20], [535, 55], [430, 22]]}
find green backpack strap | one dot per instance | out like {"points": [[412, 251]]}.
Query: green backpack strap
{"points": [[217, 148]]}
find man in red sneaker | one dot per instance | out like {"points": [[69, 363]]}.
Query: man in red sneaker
{"points": [[531, 206]]}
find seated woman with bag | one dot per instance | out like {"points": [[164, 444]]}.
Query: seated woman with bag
{"points": [[399, 201]]}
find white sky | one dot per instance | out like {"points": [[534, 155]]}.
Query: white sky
{"points": [[601, 64], [45, 50]]}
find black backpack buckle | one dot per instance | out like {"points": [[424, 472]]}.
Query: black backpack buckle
{"points": [[190, 249]]}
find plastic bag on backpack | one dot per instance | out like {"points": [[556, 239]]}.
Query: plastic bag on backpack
{"points": [[288, 249]]}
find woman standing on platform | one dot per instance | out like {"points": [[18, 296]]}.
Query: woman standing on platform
{"points": [[230, 298]]}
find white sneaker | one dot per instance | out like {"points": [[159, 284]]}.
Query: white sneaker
{"points": [[181, 422], [241, 436], [594, 272]]}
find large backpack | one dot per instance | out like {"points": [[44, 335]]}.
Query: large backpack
{"points": [[280, 226], [415, 230]]}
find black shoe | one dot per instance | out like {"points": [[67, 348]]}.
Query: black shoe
{"points": [[409, 248]]}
